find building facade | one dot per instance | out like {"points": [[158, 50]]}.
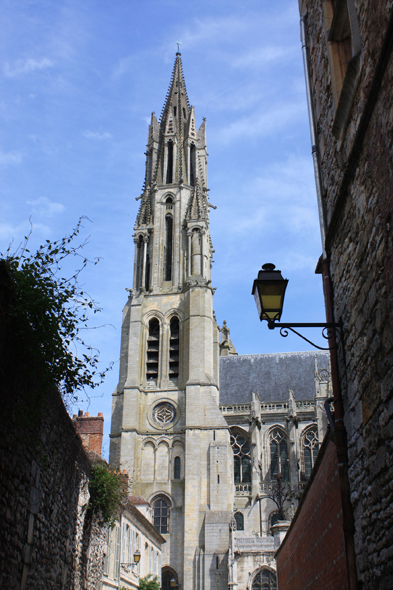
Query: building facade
{"points": [[347, 47], [201, 431], [133, 533]]}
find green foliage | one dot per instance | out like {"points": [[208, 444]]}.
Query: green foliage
{"points": [[49, 311], [108, 491], [149, 584]]}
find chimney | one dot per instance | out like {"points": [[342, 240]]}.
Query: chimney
{"points": [[91, 431]]}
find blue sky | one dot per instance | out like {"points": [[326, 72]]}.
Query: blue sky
{"points": [[79, 82]]}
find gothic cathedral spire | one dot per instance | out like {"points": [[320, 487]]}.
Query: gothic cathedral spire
{"points": [[167, 429]]}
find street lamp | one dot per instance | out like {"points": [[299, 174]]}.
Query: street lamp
{"points": [[269, 290], [137, 558]]}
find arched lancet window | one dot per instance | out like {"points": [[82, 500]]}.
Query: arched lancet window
{"points": [[139, 262], [278, 454], [174, 349], [169, 167], [177, 468], [169, 579], [192, 164], [310, 451], [196, 251], [242, 460], [161, 514], [153, 350], [239, 518], [168, 247], [264, 580], [149, 165], [147, 273]]}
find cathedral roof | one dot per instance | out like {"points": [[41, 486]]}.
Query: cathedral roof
{"points": [[271, 375]]}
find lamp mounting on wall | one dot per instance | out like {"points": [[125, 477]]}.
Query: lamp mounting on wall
{"points": [[137, 558], [269, 290]]}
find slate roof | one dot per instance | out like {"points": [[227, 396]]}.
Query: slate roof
{"points": [[272, 375]]}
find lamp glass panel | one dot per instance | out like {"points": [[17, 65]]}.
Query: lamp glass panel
{"points": [[272, 298]]}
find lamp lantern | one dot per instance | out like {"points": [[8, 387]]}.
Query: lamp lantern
{"points": [[269, 290], [137, 556]]}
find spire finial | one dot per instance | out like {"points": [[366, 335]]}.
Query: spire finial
{"points": [[178, 47]]}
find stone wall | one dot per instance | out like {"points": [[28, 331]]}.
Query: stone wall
{"points": [[45, 539], [312, 554], [357, 180]]}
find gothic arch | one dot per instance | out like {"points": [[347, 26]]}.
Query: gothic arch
{"points": [[178, 441], [149, 440], [173, 313], [277, 452], [163, 440], [153, 339], [241, 448], [164, 495], [168, 195], [148, 461], [169, 577], [150, 315], [309, 447], [162, 460], [264, 578]]}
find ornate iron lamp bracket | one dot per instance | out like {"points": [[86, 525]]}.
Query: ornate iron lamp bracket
{"points": [[331, 331]]}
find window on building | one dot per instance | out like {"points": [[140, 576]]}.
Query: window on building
{"points": [[138, 548], [149, 165], [169, 579], [161, 514], [264, 580], [168, 247], [239, 518], [241, 456], [107, 553], [169, 168], [177, 468], [344, 53], [147, 273], [278, 454], [174, 349], [139, 262], [310, 451], [117, 552], [192, 164], [153, 350], [131, 546]]}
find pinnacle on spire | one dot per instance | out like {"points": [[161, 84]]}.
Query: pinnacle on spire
{"points": [[176, 98]]}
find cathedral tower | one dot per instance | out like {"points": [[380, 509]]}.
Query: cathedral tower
{"points": [[167, 429]]}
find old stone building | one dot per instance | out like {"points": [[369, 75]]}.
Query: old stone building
{"points": [[201, 431], [347, 47]]}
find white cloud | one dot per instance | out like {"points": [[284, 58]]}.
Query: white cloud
{"points": [[127, 64], [24, 66], [10, 158], [263, 56], [260, 124], [44, 206], [97, 135]]}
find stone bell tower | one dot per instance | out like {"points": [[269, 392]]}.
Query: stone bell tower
{"points": [[167, 429]]}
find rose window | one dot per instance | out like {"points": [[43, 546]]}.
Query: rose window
{"points": [[164, 413]]}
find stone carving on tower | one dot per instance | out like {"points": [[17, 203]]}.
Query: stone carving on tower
{"points": [[167, 429]]}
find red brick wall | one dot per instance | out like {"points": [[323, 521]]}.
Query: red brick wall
{"points": [[312, 555], [90, 429]]}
